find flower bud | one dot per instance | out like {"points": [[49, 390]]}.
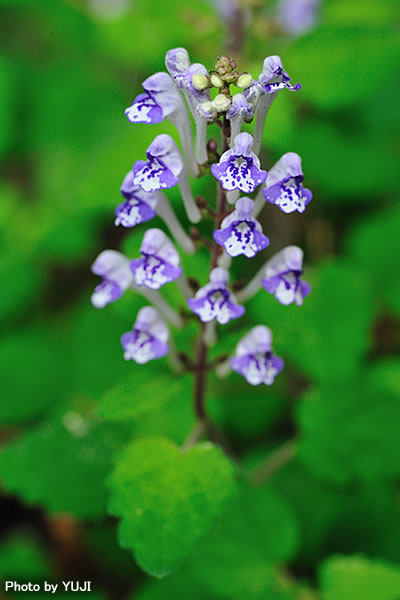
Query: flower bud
{"points": [[230, 77], [221, 103], [207, 110], [200, 82], [244, 81], [216, 81], [224, 64]]}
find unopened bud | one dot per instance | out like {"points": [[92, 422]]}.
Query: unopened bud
{"points": [[212, 146], [207, 110], [221, 103], [244, 81], [200, 82], [224, 64], [194, 234], [230, 77], [201, 202], [216, 81]]}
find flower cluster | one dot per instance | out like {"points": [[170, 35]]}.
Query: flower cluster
{"points": [[190, 89]]}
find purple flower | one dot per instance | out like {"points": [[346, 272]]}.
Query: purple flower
{"points": [[239, 168], [283, 186], [178, 65], [177, 61], [298, 16], [283, 276], [148, 338], [163, 167], [117, 276], [215, 301], [160, 100], [138, 207], [254, 358], [240, 108], [241, 233], [273, 77], [159, 263]]}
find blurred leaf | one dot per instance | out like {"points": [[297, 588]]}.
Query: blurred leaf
{"points": [[62, 465], [242, 412], [355, 519], [350, 577], [8, 98], [145, 390], [360, 12], [28, 383], [21, 558], [174, 587], [345, 172], [162, 26], [21, 282], [173, 420], [374, 243], [101, 543], [339, 73], [256, 531], [350, 432], [168, 500], [385, 374]]}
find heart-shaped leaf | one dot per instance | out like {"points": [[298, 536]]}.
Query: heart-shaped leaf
{"points": [[168, 500]]}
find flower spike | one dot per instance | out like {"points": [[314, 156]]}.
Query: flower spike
{"points": [[239, 167], [240, 232], [114, 268], [283, 186], [283, 276], [215, 300], [148, 338], [254, 358], [159, 263]]}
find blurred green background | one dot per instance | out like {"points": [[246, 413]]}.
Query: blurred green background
{"points": [[68, 70]]}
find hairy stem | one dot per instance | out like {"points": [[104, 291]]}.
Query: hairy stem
{"points": [[201, 354]]}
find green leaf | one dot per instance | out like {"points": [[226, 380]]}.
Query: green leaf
{"points": [[374, 244], [248, 412], [146, 389], [351, 577], [385, 374], [174, 587], [168, 500], [62, 466], [256, 531], [350, 432], [342, 74], [22, 558], [344, 173], [31, 395], [354, 519]]}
